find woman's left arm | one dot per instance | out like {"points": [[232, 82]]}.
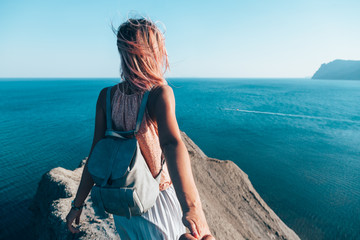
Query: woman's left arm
{"points": [[86, 182]]}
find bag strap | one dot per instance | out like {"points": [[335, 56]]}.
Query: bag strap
{"points": [[157, 178], [108, 109], [124, 134], [141, 112]]}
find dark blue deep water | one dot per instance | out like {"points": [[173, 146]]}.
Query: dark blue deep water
{"points": [[297, 139]]}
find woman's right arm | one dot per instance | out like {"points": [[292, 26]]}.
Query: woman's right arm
{"points": [[178, 161]]}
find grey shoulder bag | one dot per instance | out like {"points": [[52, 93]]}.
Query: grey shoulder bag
{"points": [[124, 184]]}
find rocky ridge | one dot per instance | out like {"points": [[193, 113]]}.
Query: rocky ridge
{"points": [[233, 208]]}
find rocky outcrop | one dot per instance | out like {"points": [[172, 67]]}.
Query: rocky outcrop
{"points": [[233, 208], [52, 202], [339, 69]]}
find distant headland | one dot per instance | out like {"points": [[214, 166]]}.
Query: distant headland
{"points": [[339, 69]]}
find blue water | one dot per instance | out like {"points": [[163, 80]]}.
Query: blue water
{"points": [[297, 139]]}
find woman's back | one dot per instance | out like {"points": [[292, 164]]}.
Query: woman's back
{"points": [[124, 112]]}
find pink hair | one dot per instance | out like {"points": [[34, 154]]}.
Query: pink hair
{"points": [[143, 54]]}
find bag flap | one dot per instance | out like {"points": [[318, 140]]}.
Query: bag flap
{"points": [[111, 157], [123, 157]]}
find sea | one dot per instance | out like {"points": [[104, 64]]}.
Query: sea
{"points": [[297, 139]]}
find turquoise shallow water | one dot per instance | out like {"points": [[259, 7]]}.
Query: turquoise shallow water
{"points": [[297, 139]]}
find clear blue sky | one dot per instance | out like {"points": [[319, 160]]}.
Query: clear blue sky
{"points": [[239, 38]]}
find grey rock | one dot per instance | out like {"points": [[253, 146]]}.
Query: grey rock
{"points": [[52, 202], [233, 208]]}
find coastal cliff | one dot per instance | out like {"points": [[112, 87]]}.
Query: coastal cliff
{"points": [[233, 208], [339, 69]]}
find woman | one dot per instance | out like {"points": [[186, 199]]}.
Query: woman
{"points": [[143, 61]]}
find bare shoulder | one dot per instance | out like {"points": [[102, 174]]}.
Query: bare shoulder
{"points": [[160, 98], [102, 94], [101, 101], [162, 92]]}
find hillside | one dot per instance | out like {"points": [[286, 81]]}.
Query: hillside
{"points": [[339, 69]]}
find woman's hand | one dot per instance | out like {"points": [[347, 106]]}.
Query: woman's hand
{"points": [[73, 214], [194, 219], [188, 236]]}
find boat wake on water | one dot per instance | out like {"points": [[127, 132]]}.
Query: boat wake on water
{"points": [[290, 115]]}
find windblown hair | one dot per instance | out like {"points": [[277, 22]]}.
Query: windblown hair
{"points": [[143, 55]]}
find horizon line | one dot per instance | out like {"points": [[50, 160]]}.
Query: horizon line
{"points": [[42, 78]]}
